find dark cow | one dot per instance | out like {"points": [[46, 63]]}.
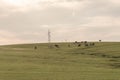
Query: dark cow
{"points": [[79, 45], [76, 42], [100, 40], [69, 45], [86, 44], [35, 47], [92, 44], [56, 45]]}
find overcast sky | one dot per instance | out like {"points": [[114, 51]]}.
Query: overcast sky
{"points": [[28, 21]]}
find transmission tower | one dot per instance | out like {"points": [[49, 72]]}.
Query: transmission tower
{"points": [[49, 36], [49, 39]]}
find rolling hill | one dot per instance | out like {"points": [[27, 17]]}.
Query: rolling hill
{"points": [[23, 62]]}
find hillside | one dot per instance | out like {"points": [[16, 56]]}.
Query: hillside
{"points": [[23, 62]]}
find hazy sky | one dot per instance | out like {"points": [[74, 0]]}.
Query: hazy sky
{"points": [[27, 21]]}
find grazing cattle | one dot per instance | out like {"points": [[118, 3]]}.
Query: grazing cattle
{"points": [[100, 40], [92, 44], [35, 47], [68, 45], [57, 46], [82, 41], [86, 44], [79, 45], [76, 42]]}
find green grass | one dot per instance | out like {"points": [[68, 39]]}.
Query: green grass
{"points": [[22, 62]]}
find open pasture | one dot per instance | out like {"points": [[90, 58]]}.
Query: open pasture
{"points": [[23, 62]]}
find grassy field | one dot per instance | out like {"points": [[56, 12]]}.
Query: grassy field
{"points": [[23, 62]]}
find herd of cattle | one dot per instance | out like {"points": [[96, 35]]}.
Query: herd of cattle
{"points": [[78, 44]]}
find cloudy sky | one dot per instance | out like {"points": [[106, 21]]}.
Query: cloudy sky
{"points": [[28, 21]]}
